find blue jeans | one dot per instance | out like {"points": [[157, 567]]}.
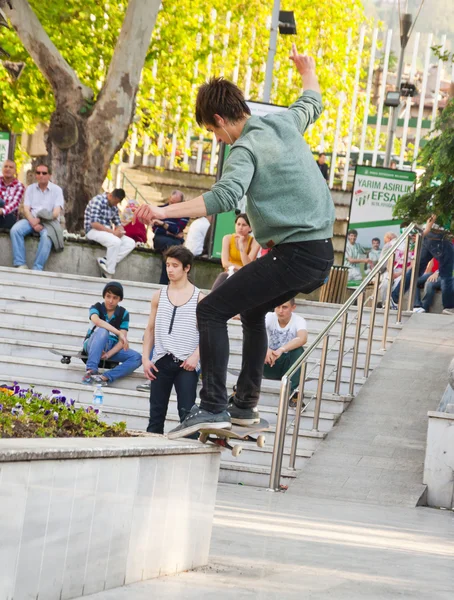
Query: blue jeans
{"points": [[435, 245], [99, 342], [17, 234], [431, 288]]}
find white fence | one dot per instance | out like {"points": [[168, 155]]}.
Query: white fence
{"points": [[185, 148]]}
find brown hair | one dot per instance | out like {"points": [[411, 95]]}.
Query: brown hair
{"points": [[220, 97], [244, 217], [181, 253]]}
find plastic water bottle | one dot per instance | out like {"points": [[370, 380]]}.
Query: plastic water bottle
{"points": [[98, 397]]}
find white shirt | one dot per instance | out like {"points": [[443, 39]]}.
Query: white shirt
{"points": [[196, 235], [277, 335], [37, 200]]}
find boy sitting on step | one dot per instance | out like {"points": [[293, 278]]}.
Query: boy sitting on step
{"points": [[106, 340], [287, 334]]}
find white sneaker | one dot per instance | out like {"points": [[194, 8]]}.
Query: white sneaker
{"points": [[22, 267], [448, 311], [103, 268], [419, 309]]}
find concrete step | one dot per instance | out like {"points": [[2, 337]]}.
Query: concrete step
{"points": [[249, 474], [26, 349]]}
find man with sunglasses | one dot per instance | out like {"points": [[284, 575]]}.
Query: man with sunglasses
{"points": [[42, 195]]}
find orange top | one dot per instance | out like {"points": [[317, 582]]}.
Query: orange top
{"points": [[235, 254]]}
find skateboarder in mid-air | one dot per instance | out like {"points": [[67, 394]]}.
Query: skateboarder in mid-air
{"points": [[291, 212]]}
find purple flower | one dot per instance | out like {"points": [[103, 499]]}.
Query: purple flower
{"points": [[72, 402], [16, 388], [1, 407], [55, 415], [52, 401], [62, 399], [17, 411], [47, 412], [56, 392], [96, 411]]}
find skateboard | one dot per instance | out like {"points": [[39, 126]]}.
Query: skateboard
{"points": [[221, 437], [67, 355]]}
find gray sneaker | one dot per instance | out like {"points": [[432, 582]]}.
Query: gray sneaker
{"points": [[197, 419], [144, 387], [243, 416]]}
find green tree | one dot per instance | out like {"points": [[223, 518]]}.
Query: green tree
{"points": [[89, 111], [434, 193]]}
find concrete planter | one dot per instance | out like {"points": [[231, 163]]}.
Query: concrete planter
{"points": [[439, 462], [78, 516]]}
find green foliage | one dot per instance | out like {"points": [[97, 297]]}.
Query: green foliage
{"points": [[434, 193], [26, 413], [192, 41]]}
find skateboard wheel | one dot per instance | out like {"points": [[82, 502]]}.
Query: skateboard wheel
{"points": [[203, 437], [236, 450], [261, 441]]}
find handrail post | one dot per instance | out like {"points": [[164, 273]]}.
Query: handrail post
{"points": [[296, 425], [279, 436], [415, 272], [373, 314], [321, 376], [340, 358], [388, 301], [356, 344], [403, 281]]}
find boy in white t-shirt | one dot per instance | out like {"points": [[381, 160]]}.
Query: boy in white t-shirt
{"points": [[287, 334]]}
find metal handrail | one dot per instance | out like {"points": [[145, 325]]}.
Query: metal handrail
{"points": [[386, 259], [125, 178]]}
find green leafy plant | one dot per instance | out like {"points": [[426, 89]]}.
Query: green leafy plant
{"points": [[26, 413], [434, 193]]}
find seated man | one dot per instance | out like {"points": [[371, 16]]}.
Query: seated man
{"points": [[354, 254], [107, 339], [169, 232], [430, 283], [287, 334], [41, 196], [102, 224], [195, 240], [11, 194]]}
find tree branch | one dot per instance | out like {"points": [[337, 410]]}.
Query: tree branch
{"points": [[115, 103], [68, 90]]}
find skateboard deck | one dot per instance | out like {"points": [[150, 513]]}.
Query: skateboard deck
{"points": [[221, 437], [67, 355]]}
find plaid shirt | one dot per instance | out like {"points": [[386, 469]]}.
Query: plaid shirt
{"points": [[11, 194], [99, 211]]}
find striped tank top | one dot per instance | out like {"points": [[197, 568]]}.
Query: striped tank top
{"points": [[175, 330]]}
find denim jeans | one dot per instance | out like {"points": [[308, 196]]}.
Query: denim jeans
{"points": [[99, 342], [17, 234], [253, 291], [435, 245], [170, 374], [160, 244]]}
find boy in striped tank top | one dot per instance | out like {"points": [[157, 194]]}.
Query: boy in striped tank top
{"points": [[173, 335]]}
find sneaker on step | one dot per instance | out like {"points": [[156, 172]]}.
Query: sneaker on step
{"points": [[448, 311], [87, 379], [144, 387], [99, 380], [197, 419], [392, 304], [243, 416], [419, 309], [22, 267], [103, 268]]}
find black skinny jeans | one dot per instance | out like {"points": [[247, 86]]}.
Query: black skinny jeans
{"points": [[253, 291], [170, 374]]}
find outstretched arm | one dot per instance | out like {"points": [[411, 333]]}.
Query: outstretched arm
{"points": [[306, 68]]}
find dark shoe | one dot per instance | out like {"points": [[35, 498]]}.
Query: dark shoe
{"points": [[144, 387], [197, 419], [243, 416]]}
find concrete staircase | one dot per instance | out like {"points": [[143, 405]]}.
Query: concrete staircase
{"points": [[136, 185], [44, 311]]}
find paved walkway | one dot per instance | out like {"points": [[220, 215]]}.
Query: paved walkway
{"points": [[285, 546], [375, 454]]}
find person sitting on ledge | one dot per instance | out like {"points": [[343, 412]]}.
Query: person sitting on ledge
{"points": [[107, 340], [11, 194], [102, 224], [41, 196]]}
